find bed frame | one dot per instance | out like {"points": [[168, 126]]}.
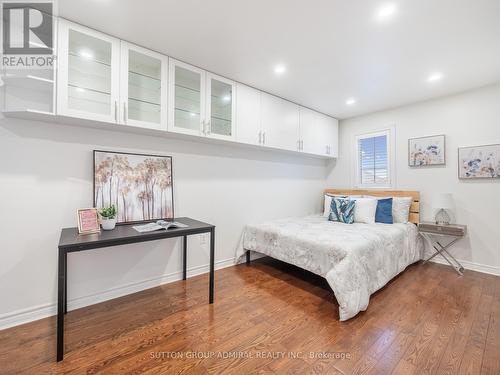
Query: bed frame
{"points": [[414, 208]]}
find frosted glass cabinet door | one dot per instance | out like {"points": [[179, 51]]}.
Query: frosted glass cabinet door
{"points": [[220, 107], [186, 98], [88, 64], [143, 87]]}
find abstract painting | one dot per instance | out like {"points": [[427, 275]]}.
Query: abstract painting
{"points": [[139, 186], [426, 151], [479, 162]]}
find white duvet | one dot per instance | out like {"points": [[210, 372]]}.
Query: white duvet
{"points": [[356, 259]]}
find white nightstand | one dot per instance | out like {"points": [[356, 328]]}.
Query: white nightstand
{"points": [[432, 233]]}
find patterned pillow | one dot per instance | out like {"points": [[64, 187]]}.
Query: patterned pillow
{"points": [[342, 210]]}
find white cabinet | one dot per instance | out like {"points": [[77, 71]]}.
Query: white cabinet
{"points": [[248, 115], [311, 138], [220, 107], [318, 133], [328, 127], [280, 123], [106, 80], [88, 73], [200, 103], [143, 87], [186, 95]]}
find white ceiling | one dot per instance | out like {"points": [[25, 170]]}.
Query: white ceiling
{"points": [[333, 49]]}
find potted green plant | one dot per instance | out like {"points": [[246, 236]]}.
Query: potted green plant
{"points": [[108, 217]]}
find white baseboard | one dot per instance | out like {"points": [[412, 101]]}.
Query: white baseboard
{"points": [[492, 270], [22, 316]]}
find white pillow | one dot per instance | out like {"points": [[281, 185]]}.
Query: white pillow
{"points": [[401, 209], [364, 210], [328, 201]]}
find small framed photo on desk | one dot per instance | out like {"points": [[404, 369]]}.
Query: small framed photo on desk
{"points": [[88, 221]]}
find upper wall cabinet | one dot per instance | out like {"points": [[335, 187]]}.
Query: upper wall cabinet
{"points": [[248, 116], [106, 80], [200, 103], [88, 73], [280, 123], [318, 133], [143, 87], [186, 98], [220, 110]]}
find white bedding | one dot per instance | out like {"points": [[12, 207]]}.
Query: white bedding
{"points": [[356, 259]]}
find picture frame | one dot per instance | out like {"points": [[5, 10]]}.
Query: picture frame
{"points": [[88, 221], [427, 151], [140, 186], [479, 162]]}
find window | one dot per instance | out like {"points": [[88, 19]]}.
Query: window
{"points": [[373, 160]]}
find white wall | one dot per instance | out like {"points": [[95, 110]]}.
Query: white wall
{"points": [[46, 174], [469, 119]]}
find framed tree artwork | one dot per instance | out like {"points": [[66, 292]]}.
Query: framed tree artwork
{"points": [[139, 186], [479, 162], [426, 151]]}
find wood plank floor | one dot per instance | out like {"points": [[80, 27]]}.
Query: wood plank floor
{"points": [[272, 318]]}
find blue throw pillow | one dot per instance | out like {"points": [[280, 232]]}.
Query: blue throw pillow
{"points": [[384, 211], [342, 210]]}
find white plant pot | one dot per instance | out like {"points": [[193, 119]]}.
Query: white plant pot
{"points": [[108, 224]]}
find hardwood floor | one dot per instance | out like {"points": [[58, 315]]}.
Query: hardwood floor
{"points": [[270, 317]]}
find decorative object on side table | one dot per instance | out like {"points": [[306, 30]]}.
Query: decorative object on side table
{"points": [[88, 221], [426, 151], [432, 232], [479, 162], [108, 217], [442, 202], [139, 186]]}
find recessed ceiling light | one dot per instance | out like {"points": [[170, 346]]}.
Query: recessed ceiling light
{"points": [[86, 54], [386, 11], [280, 69], [226, 98], [435, 77], [350, 101]]}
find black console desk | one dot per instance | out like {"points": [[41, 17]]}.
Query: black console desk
{"points": [[70, 241]]}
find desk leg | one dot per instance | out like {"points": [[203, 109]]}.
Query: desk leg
{"points": [[184, 258], [212, 256], [61, 281], [65, 282]]}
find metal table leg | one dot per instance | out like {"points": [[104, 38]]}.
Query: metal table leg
{"points": [[184, 258], [61, 282], [442, 250], [212, 256]]}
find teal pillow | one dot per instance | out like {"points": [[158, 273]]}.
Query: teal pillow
{"points": [[342, 210]]}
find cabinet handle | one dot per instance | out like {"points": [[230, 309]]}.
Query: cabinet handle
{"points": [[260, 137], [125, 112], [204, 130], [298, 144], [116, 111], [209, 127], [302, 145], [264, 138]]}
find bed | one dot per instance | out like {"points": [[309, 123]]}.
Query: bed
{"points": [[355, 259]]}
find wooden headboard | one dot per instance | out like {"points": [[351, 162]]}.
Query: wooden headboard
{"points": [[415, 206]]}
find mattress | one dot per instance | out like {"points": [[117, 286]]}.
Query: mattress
{"points": [[355, 259]]}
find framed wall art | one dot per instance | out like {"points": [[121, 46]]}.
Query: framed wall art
{"points": [[479, 162], [139, 186], [427, 151]]}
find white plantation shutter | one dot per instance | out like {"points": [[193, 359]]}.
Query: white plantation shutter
{"points": [[373, 160]]}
